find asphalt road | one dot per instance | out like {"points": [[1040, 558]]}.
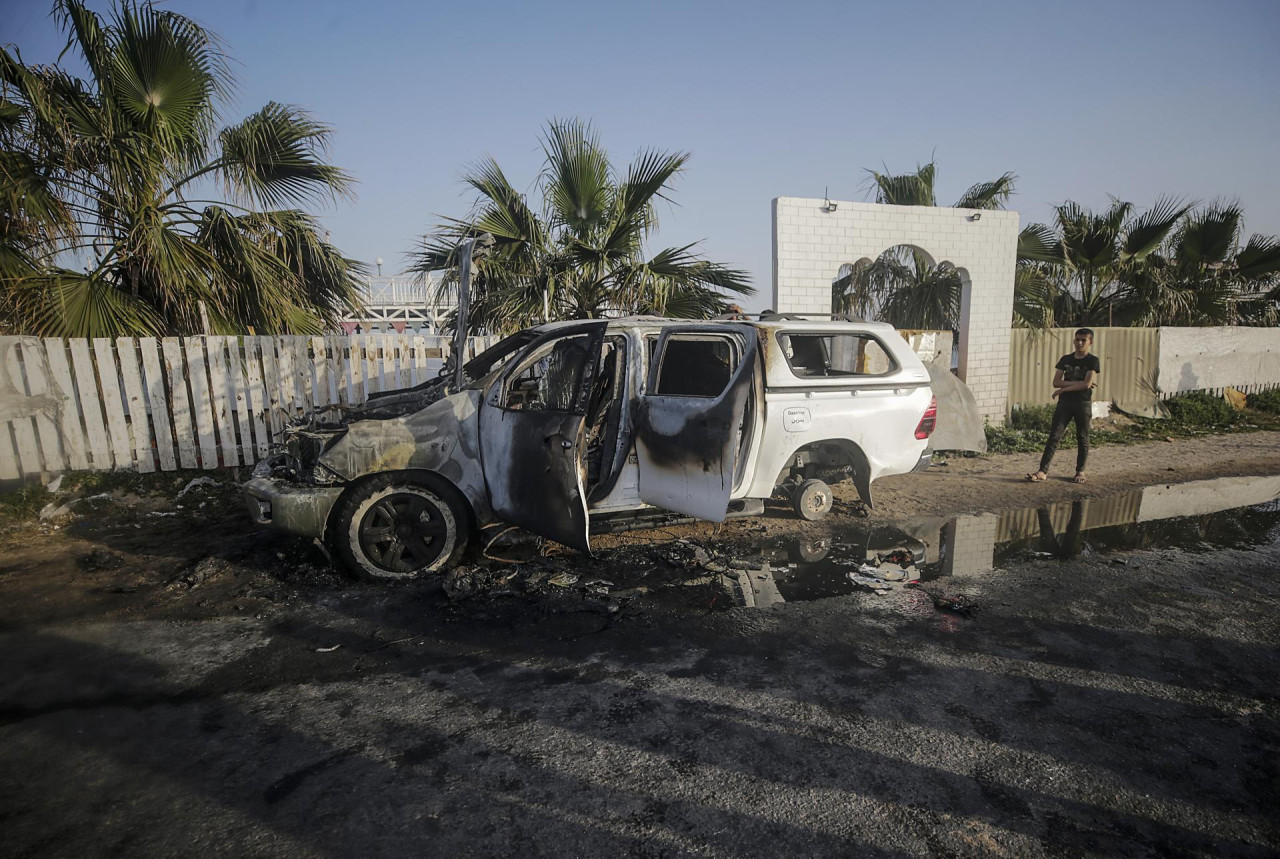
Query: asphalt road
{"points": [[1087, 707]]}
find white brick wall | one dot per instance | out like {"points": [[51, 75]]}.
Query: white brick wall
{"points": [[810, 245]]}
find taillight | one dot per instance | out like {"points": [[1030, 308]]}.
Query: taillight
{"points": [[925, 428]]}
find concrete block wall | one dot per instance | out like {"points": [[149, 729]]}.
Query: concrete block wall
{"points": [[1208, 359], [810, 244]]}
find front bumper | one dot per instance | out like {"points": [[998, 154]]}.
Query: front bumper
{"points": [[289, 506]]}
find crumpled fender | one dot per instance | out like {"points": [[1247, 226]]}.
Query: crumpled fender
{"points": [[960, 425]]}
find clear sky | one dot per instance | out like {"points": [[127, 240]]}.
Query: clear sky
{"points": [[1082, 100]]}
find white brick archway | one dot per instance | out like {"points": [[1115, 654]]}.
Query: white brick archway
{"points": [[811, 241]]}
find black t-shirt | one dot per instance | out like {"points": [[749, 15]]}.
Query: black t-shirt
{"points": [[1074, 370]]}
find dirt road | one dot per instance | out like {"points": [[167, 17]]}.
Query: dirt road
{"points": [[177, 684]]}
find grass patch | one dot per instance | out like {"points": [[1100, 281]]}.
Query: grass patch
{"points": [[1010, 439], [23, 503]]}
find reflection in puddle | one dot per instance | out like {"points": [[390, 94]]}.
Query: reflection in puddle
{"points": [[808, 569], [1227, 513]]}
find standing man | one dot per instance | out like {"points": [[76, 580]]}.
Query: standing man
{"points": [[1073, 387]]}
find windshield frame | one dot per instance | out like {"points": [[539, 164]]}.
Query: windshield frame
{"points": [[495, 359]]}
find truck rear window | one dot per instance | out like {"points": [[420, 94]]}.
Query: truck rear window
{"points": [[811, 355]]}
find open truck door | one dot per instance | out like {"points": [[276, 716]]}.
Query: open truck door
{"points": [[689, 420], [531, 435]]}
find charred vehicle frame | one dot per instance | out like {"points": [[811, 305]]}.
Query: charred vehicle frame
{"points": [[571, 425]]}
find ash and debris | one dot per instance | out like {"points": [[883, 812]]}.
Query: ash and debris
{"points": [[182, 542]]}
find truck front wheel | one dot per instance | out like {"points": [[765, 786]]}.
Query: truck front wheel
{"points": [[393, 527]]}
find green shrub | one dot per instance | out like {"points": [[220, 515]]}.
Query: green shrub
{"points": [[1199, 409], [1036, 418], [1007, 439], [1265, 401]]}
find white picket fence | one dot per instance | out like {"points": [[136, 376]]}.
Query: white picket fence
{"points": [[138, 404]]}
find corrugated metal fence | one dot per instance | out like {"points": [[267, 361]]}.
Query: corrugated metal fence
{"points": [[194, 402], [1142, 366], [1129, 359]]}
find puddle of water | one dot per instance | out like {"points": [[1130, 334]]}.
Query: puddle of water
{"points": [[1238, 528], [809, 569], [1227, 513]]}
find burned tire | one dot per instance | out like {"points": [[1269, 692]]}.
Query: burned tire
{"points": [[394, 527], [812, 500]]}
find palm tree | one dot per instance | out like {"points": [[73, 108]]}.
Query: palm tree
{"points": [[1203, 276], [904, 286], [124, 210], [910, 291], [583, 255], [1089, 257], [1037, 300]]}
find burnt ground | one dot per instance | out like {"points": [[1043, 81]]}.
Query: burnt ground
{"points": [[187, 683]]}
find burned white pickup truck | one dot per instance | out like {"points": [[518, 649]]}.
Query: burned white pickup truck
{"points": [[571, 425]]}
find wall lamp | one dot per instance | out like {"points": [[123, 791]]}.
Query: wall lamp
{"points": [[827, 205], [975, 217]]}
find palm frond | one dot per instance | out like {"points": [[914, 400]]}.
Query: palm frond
{"points": [[676, 282], [10, 115], [909, 189], [1037, 242], [633, 216], [30, 204], [163, 78], [577, 180], [1207, 237], [852, 291], [1034, 297], [1260, 258], [927, 297], [988, 195], [85, 33], [74, 304], [647, 179], [1148, 231], [273, 158], [1089, 240], [250, 284], [503, 212]]}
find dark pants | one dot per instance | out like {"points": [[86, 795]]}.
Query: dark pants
{"points": [[1068, 410]]}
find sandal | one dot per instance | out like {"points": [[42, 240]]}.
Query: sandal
{"points": [[1037, 477], [1079, 478]]}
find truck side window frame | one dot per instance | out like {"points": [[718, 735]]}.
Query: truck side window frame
{"points": [[817, 358], [656, 364]]}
